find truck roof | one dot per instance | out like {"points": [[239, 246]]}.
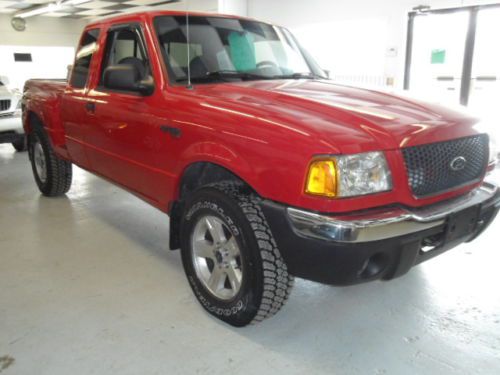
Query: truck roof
{"points": [[127, 17]]}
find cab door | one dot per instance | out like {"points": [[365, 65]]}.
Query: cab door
{"points": [[128, 145], [74, 107]]}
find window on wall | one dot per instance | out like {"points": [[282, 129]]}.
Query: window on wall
{"points": [[22, 57], [83, 59], [47, 63]]}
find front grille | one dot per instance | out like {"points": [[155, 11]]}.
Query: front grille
{"points": [[443, 166], [4, 105]]}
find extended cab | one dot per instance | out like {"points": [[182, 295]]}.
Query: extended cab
{"points": [[266, 168]]}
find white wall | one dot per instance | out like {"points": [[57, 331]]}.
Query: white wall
{"points": [[350, 37], [237, 7], [42, 31], [192, 5], [51, 42], [48, 62]]}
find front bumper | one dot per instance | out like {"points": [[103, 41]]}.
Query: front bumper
{"points": [[377, 244], [11, 128]]}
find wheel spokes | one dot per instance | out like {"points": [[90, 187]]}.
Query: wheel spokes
{"points": [[40, 164], [204, 249], [232, 247], [216, 280], [216, 230], [234, 275], [216, 257]]}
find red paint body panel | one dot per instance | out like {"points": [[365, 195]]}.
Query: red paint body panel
{"points": [[266, 132]]}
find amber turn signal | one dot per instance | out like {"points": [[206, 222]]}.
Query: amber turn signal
{"points": [[322, 178]]}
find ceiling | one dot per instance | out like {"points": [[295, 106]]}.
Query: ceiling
{"points": [[92, 9]]}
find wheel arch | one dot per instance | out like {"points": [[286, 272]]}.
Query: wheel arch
{"points": [[202, 173], [31, 118], [194, 176], [55, 134]]}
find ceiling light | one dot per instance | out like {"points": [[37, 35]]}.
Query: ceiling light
{"points": [[40, 10], [49, 8], [75, 2]]}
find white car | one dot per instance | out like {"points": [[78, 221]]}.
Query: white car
{"points": [[11, 126]]}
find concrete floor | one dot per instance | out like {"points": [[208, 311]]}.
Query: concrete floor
{"points": [[87, 286]]}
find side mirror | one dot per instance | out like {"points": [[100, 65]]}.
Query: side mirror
{"points": [[127, 77]]}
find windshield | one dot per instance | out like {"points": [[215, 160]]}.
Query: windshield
{"points": [[224, 49]]}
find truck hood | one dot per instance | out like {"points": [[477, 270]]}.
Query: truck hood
{"points": [[354, 119]]}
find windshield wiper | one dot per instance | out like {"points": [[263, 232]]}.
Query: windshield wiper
{"points": [[297, 76], [224, 75]]}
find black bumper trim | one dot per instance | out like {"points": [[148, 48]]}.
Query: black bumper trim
{"points": [[10, 137], [340, 263]]}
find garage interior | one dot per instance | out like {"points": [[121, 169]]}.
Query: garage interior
{"points": [[89, 285]]}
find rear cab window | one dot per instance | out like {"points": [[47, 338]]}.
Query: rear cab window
{"points": [[81, 68]]}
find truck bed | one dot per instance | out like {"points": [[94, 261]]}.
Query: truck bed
{"points": [[45, 96], [45, 83]]}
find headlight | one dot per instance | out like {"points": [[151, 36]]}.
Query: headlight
{"points": [[349, 175], [19, 97]]}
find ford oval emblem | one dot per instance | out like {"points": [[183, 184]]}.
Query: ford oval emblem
{"points": [[458, 163]]}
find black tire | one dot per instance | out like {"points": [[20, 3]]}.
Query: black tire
{"points": [[266, 283], [21, 144], [59, 172]]}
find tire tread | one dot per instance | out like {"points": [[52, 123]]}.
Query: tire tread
{"points": [[59, 171], [278, 283]]}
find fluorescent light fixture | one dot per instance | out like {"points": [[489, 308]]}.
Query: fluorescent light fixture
{"points": [[75, 2], [39, 10], [49, 8]]}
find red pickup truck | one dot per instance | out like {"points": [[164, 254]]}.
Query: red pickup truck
{"points": [[267, 169]]}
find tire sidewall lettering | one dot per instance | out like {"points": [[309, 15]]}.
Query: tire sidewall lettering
{"points": [[238, 305], [234, 307], [216, 208]]}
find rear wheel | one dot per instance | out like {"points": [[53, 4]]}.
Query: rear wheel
{"points": [[20, 145], [230, 257], [53, 175]]}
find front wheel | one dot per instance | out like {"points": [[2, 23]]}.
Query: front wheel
{"points": [[230, 257]]}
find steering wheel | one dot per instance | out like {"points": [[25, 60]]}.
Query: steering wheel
{"points": [[267, 64]]}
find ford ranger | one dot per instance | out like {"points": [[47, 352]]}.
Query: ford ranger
{"points": [[267, 169]]}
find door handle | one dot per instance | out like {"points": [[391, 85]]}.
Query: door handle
{"points": [[174, 132], [90, 107]]}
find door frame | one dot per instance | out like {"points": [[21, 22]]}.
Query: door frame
{"points": [[470, 41]]}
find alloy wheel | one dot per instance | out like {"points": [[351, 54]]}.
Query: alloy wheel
{"points": [[216, 257]]}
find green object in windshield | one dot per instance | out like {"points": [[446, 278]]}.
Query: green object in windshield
{"points": [[438, 56], [242, 50]]}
